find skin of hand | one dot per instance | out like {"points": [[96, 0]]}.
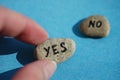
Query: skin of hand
{"points": [[24, 29]]}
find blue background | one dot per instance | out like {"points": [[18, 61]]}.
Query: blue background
{"points": [[94, 59]]}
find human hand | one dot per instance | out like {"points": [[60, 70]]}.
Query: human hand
{"points": [[22, 28]]}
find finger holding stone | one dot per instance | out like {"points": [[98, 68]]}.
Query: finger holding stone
{"points": [[16, 25]]}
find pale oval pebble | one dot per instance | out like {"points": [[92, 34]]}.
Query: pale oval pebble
{"points": [[56, 49], [95, 26]]}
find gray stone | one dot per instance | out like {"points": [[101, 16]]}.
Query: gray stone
{"points": [[95, 26], [55, 49]]}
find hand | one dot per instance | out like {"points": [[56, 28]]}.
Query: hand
{"points": [[22, 28]]}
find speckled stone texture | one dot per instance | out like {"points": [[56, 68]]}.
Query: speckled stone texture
{"points": [[95, 26], [57, 49]]}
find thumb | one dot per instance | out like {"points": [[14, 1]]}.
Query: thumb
{"points": [[39, 70]]}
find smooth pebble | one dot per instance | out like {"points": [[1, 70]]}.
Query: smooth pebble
{"points": [[56, 49], [95, 26]]}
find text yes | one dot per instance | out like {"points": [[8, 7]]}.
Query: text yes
{"points": [[54, 49]]}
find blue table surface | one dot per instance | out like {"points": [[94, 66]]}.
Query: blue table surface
{"points": [[94, 59]]}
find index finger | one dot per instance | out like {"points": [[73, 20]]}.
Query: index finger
{"points": [[22, 28]]}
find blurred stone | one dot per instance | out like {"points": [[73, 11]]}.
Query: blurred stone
{"points": [[95, 26]]}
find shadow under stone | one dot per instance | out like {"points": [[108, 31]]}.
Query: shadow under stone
{"points": [[76, 29], [8, 75], [25, 52]]}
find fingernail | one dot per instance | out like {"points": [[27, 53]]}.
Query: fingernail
{"points": [[50, 69]]}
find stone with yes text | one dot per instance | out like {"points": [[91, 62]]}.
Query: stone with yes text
{"points": [[56, 49]]}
